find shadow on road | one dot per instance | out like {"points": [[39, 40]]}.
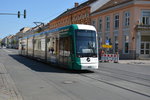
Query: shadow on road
{"points": [[43, 67]]}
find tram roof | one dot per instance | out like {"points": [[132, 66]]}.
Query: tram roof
{"points": [[74, 26]]}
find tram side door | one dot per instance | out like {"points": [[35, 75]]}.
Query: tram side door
{"points": [[65, 52]]}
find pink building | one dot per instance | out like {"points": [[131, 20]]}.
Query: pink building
{"points": [[126, 25]]}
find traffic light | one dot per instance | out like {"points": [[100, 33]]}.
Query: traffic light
{"points": [[24, 13], [18, 14], [110, 41]]}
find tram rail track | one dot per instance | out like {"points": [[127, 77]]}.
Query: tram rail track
{"points": [[103, 72], [121, 77], [127, 73], [125, 88], [97, 76]]}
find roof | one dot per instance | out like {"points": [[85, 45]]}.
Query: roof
{"points": [[113, 3], [68, 11], [10, 36]]}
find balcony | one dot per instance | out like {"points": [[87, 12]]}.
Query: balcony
{"points": [[143, 27]]}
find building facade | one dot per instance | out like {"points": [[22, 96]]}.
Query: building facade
{"points": [[79, 14], [19, 35], [126, 25]]}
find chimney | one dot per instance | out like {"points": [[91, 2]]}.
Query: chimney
{"points": [[76, 4]]}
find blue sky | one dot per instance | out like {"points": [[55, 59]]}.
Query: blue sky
{"points": [[37, 11]]}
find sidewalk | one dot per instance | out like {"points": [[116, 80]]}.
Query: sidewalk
{"points": [[8, 90], [142, 62]]}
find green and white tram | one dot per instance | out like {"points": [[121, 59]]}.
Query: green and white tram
{"points": [[74, 47]]}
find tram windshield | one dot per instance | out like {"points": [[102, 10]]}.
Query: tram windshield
{"points": [[86, 43]]}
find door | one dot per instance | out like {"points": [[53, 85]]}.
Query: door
{"points": [[145, 49], [65, 52]]}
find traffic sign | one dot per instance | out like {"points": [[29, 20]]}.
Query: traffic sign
{"points": [[107, 46], [107, 42]]}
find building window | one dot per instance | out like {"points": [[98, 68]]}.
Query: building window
{"points": [[94, 23], [87, 14], [126, 44], [100, 40], [116, 21], [107, 23], [126, 18], [146, 17], [100, 25]]}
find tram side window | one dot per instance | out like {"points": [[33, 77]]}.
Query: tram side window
{"points": [[37, 45], [61, 43], [43, 44], [67, 46], [23, 45], [48, 44], [52, 45], [30, 44]]}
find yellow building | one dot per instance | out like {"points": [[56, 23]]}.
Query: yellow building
{"points": [[125, 24]]}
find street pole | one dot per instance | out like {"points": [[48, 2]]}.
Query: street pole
{"points": [[19, 14]]}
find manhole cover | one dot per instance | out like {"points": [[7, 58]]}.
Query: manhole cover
{"points": [[68, 82]]}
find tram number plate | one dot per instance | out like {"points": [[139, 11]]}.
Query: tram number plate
{"points": [[89, 66]]}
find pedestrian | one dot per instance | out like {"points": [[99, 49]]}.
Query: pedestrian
{"points": [[102, 52]]}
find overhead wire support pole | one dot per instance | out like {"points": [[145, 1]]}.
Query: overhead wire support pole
{"points": [[8, 14], [15, 14]]}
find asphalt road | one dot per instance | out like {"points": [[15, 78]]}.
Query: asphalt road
{"points": [[38, 81]]}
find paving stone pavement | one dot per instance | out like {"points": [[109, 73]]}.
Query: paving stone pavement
{"points": [[8, 90]]}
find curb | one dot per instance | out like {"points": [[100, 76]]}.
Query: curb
{"points": [[8, 90]]}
